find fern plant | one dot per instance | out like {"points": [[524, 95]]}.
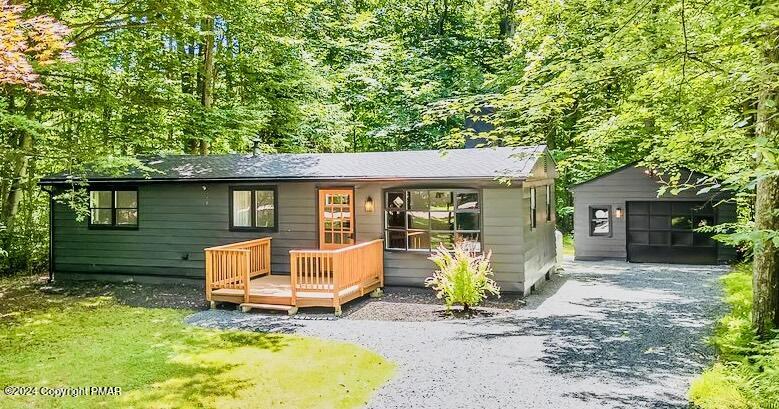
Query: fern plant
{"points": [[463, 277]]}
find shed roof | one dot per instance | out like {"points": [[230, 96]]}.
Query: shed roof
{"points": [[483, 163]]}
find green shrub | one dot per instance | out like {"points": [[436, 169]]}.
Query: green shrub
{"points": [[462, 277], [747, 372]]}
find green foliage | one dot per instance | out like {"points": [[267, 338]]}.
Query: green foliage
{"points": [[462, 278], [747, 372]]}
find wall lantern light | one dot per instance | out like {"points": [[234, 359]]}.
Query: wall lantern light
{"points": [[619, 213], [369, 205]]}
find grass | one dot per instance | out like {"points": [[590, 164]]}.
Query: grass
{"points": [[159, 362], [746, 374], [568, 245]]}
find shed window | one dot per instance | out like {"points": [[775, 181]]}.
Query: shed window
{"points": [[600, 221], [532, 208], [113, 208], [253, 209], [549, 203], [423, 219]]}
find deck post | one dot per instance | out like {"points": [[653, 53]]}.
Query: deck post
{"points": [[209, 271], [293, 276], [247, 284]]}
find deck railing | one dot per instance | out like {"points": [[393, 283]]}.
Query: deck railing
{"points": [[331, 271], [234, 265]]}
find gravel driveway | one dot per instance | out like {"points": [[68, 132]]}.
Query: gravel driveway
{"points": [[600, 335]]}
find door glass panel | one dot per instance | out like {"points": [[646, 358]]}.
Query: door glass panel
{"points": [[639, 237], [681, 222], [396, 239], [660, 222], [660, 208], [681, 238], [638, 222], [702, 221], [658, 238], [396, 219], [396, 200], [638, 208]]}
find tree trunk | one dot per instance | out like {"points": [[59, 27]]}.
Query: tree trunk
{"points": [[507, 20], [19, 171], [765, 280], [207, 90]]}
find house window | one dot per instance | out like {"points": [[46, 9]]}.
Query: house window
{"points": [[113, 208], [532, 208], [424, 219], [253, 209], [600, 221], [549, 203]]}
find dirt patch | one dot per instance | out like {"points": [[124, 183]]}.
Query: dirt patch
{"points": [[19, 291]]}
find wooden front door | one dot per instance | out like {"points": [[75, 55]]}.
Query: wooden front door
{"points": [[336, 218]]}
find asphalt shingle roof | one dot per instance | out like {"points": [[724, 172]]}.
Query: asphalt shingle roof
{"points": [[482, 163]]}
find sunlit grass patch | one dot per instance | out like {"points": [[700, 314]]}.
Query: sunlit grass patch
{"points": [[159, 362]]}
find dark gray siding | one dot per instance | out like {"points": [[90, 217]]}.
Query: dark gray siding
{"points": [[628, 184], [177, 221]]}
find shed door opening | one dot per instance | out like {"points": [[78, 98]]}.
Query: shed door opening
{"points": [[663, 232]]}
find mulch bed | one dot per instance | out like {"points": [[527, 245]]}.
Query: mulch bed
{"points": [[420, 304], [397, 303]]}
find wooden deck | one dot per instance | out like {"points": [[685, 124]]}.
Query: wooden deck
{"points": [[319, 278]]}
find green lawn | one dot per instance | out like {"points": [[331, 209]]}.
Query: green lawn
{"points": [[568, 245], [159, 362]]}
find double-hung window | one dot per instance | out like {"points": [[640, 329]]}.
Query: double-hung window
{"points": [[113, 208], [253, 209], [424, 219]]}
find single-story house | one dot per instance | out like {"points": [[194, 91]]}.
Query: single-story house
{"points": [[619, 215], [303, 214]]}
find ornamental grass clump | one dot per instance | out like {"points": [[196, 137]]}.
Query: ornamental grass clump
{"points": [[463, 277]]}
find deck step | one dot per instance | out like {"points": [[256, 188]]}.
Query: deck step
{"points": [[290, 309]]}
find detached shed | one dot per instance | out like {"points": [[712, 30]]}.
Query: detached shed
{"points": [[619, 215]]}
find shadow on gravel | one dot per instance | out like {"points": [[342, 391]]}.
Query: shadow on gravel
{"points": [[623, 324], [625, 400]]}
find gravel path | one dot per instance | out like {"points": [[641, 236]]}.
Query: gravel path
{"points": [[601, 335]]}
